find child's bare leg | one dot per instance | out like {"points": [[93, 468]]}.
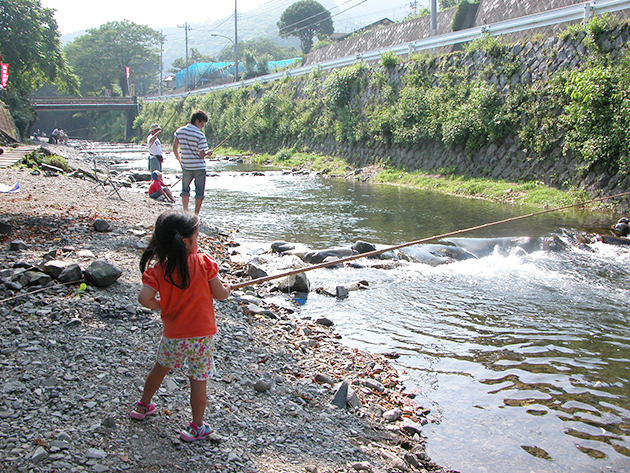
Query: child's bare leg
{"points": [[169, 194], [198, 400], [153, 382]]}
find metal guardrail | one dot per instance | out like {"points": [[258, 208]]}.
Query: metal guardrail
{"points": [[81, 103], [580, 11]]}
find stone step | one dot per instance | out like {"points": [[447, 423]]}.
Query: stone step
{"points": [[13, 155]]}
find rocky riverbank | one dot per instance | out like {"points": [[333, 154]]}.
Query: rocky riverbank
{"points": [[287, 397]]}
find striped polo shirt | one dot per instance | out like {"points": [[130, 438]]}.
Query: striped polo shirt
{"points": [[191, 141]]}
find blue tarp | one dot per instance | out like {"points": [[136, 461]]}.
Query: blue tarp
{"points": [[202, 72]]}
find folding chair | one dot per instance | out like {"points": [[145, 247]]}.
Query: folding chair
{"points": [[107, 181]]}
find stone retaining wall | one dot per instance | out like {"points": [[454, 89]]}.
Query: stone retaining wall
{"points": [[507, 160], [6, 121]]}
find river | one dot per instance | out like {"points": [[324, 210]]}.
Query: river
{"points": [[522, 356]]}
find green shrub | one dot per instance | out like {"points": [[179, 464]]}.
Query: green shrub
{"points": [[486, 42], [389, 60]]}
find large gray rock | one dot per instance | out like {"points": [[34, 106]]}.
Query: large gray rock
{"points": [[341, 396], [72, 273], [101, 225], [35, 278], [55, 267], [101, 273]]}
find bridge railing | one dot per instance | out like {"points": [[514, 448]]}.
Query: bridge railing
{"points": [[580, 11], [83, 100]]}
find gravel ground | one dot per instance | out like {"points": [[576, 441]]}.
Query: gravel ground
{"points": [[73, 361]]}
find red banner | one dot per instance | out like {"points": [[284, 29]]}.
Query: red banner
{"points": [[128, 71], [4, 75]]}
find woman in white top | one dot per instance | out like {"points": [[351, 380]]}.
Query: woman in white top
{"points": [[155, 148]]}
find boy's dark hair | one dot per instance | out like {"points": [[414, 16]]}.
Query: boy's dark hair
{"points": [[199, 115], [168, 247]]}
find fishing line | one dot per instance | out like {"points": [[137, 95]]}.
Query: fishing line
{"points": [[417, 242]]}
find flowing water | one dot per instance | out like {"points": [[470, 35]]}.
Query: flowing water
{"points": [[522, 357]]}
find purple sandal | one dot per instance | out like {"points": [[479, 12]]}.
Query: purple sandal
{"points": [[142, 410]]}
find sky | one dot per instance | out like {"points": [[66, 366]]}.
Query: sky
{"points": [[75, 15]]}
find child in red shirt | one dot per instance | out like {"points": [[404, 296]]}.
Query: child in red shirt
{"points": [[187, 283], [159, 190]]}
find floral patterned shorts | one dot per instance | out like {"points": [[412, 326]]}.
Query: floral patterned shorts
{"points": [[198, 352]]}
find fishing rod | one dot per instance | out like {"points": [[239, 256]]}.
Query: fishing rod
{"points": [[417, 242]]}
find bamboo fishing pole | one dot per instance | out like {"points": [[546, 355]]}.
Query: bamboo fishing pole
{"points": [[417, 242]]}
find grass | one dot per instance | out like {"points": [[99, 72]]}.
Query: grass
{"points": [[36, 158], [531, 193], [289, 159]]}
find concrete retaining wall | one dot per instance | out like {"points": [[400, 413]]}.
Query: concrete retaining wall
{"points": [[489, 11], [6, 122]]}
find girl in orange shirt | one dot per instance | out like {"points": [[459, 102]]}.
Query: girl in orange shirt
{"points": [[187, 283]]}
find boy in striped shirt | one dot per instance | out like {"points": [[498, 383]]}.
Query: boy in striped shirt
{"points": [[191, 148]]}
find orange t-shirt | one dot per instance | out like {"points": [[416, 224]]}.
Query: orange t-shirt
{"points": [[189, 312]]}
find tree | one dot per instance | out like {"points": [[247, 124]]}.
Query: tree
{"points": [[100, 57], [29, 43], [446, 4], [305, 19], [259, 47]]}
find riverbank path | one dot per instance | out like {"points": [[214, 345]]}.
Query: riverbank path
{"points": [[13, 155]]}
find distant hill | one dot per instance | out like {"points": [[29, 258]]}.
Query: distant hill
{"points": [[261, 22]]}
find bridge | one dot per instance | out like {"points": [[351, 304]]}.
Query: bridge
{"points": [[128, 105], [74, 104]]}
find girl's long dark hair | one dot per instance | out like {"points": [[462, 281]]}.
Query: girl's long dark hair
{"points": [[168, 247]]}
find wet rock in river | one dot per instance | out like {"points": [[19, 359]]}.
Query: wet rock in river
{"points": [[326, 322], [281, 246], [363, 247], [255, 271], [295, 283], [316, 257]]}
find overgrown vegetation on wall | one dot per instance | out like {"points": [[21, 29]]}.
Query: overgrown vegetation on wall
{"points": [[584, 112]]}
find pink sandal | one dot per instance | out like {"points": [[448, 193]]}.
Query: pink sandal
{"points": [[142, 410]]}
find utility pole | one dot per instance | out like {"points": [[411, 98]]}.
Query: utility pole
{"points": [[161, 64], [186, 30], [414, 6], [433, 17], [235, 43]]}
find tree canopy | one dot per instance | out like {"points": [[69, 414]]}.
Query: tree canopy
{"points": [[193, 57], [100, 57], [29, 43], [305, 19], [259, 47]]}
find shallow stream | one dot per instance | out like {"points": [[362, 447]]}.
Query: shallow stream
{"points": [[522, 356]]}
